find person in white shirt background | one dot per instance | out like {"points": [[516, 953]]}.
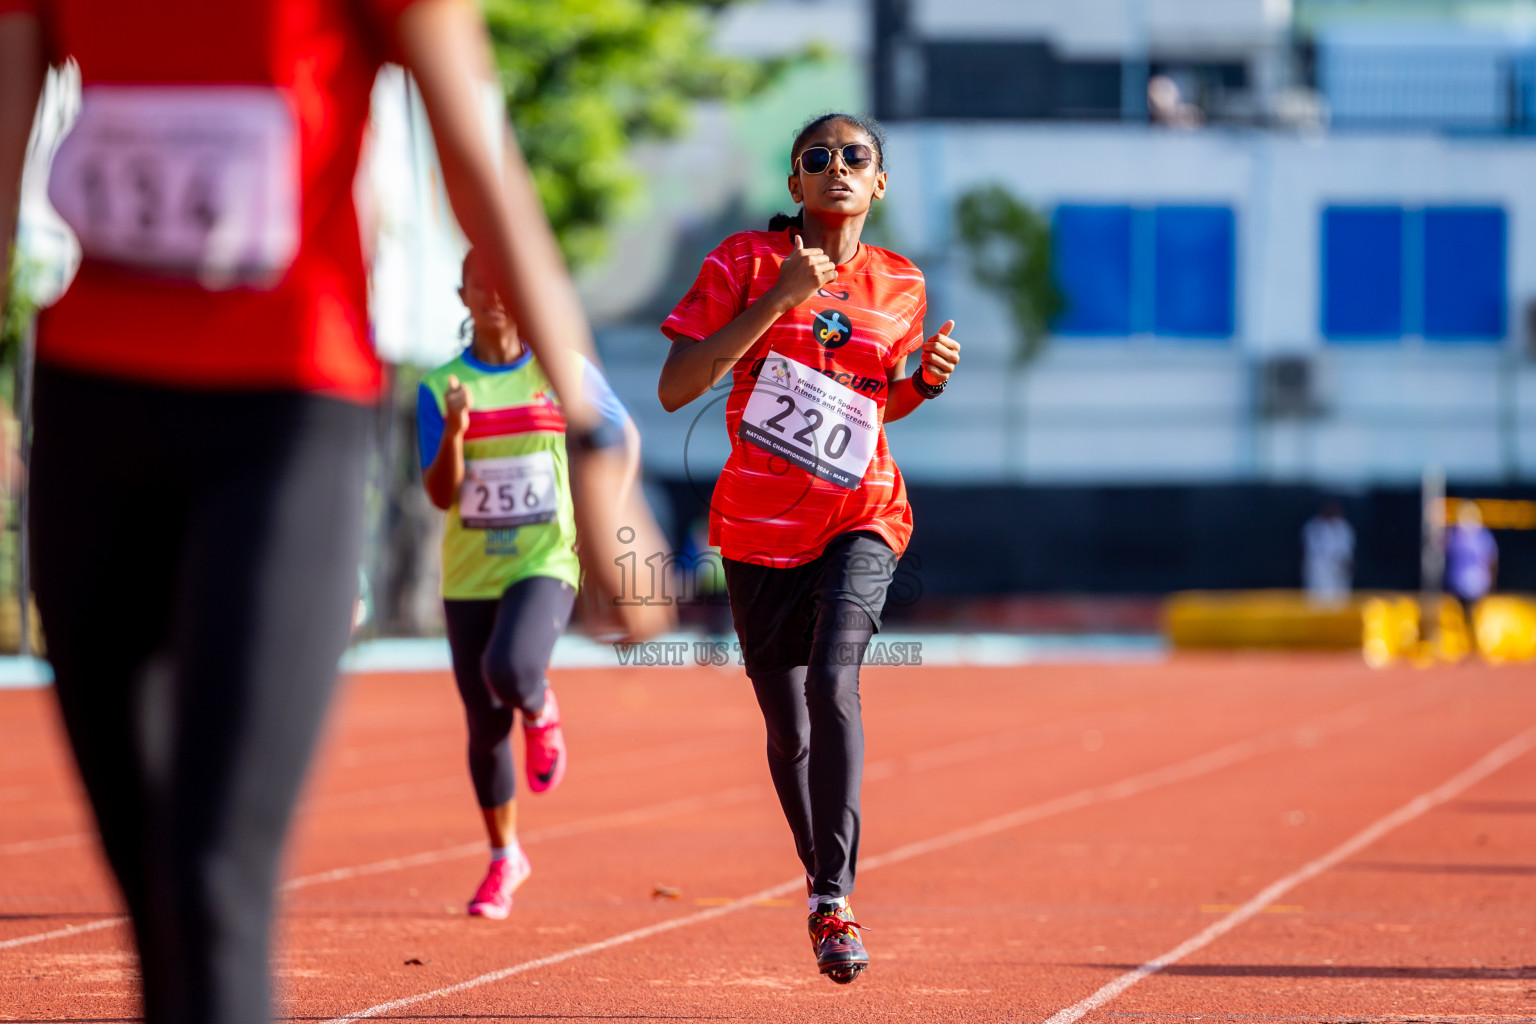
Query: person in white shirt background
{"points": [[1328, 555]]}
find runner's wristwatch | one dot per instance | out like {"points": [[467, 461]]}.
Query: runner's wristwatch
{"points": [[926, 390]]}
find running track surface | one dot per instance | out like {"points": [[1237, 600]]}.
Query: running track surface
{"points": [[1032, 837]]}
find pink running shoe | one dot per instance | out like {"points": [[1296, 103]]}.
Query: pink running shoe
{"points": [[494, 897], [544, 753]]}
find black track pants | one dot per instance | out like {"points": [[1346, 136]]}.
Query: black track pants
{"points": [[803, 632], [816, 745], [501, 651], [195, 557]]}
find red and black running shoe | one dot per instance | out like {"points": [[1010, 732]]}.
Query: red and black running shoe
{"points": [[835, 938]]}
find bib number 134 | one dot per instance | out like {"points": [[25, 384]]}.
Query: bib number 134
{"points": [[197, 183], [500, 494]]}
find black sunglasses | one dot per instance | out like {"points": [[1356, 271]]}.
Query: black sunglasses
{"points": [[817, 159]]}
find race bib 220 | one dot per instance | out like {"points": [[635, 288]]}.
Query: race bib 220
{"points": [[811, 421]]}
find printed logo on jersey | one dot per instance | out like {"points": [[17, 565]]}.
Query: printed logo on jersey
{"points": [[832, 328], [776, 372], [500, 543]]}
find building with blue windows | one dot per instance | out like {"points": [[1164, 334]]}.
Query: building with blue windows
{"points": [[1296, 241]]}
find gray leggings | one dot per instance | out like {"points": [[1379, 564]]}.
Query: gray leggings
{"points": [[501, 650]]}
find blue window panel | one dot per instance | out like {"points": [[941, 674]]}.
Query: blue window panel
{"points": [[1464, 268], [1194, 271], [1091, 261], [1362, 272]]}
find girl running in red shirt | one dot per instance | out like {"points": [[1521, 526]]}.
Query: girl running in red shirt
{"points": [[810, 511]]}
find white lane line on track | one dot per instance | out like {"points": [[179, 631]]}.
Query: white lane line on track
{"points": [[637, 816], [1449, 790], [886, 768], [875, 771], [59, 933], [39, 845], [1303, 736], [777, 891]]}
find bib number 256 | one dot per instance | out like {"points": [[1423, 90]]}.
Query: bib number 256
{"points": [[500, 494]]}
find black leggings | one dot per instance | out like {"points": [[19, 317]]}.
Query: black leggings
{"points": [[501, 651], [196, 562], [803, 631], [816, 745]]}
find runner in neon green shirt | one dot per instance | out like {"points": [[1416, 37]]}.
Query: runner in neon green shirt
{"points": [[492, 437]]}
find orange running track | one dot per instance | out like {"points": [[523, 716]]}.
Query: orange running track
{"points": [[1243, 838]]}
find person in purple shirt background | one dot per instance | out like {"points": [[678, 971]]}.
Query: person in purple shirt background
{"points": [[1471, 555]]}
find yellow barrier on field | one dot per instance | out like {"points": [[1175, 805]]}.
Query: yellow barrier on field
{"points": [[1389, 630], [1505, 628], [1385, 628], [1271, 619]]}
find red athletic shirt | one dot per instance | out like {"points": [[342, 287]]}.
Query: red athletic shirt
{"points": [[768, 506], [308, 328]]}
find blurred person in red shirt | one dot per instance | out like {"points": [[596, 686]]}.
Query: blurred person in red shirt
{"points": [[203, 399]]}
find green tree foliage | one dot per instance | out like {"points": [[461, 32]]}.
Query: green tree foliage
{"points": [[20, 308], [586, 79], [1009, 245]]}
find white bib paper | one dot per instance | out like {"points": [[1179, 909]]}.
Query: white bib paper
{"points": [[811, 421], [195, 182], [499, 494]]}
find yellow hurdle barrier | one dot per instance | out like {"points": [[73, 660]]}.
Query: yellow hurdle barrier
{"points": [[1385, 628], [1505, 628]]}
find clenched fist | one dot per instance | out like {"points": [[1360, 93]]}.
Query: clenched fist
{"points": [[803, 272], [457, 402]]}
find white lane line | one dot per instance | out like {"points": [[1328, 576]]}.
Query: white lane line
{"points": [[699, 917], [74, 929], [639, 815], [887, 768], [1449, 790], [1301, 736], [38, 845]]}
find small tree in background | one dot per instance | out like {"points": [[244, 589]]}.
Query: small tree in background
{"points": [[586, 79], [19, 313], [1009, 245], [20, 309]]}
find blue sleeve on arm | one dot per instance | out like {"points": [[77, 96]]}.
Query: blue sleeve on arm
{"points": [[601, 395], [429, 425]]}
